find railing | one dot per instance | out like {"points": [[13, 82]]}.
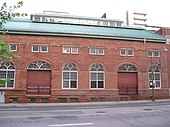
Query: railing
{"points": [[127, 90], [38, 89]]}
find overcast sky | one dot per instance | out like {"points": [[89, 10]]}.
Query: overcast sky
{"points": [[157, 10]]}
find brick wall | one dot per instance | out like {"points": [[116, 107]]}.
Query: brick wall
{"points": [[111, 61]]}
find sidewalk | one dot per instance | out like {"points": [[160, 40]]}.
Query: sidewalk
{"points": [[83, 103]]}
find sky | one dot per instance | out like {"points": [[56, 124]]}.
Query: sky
{"points": [[156, 10]]}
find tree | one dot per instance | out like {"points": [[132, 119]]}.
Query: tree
{"points": [[7, 13]]}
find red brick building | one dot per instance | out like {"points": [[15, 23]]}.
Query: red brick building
{"points": [[66, 62], [166, 33]]}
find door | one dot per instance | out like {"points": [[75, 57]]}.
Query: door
{"points": [[2, 96], [127, 83], [38, 82]]}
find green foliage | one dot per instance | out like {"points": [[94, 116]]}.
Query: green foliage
{"points": [[3, 82], [7, 13], [5, 52]]}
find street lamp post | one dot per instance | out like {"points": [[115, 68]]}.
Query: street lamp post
{"points": [[153, 86], [152, 79]]}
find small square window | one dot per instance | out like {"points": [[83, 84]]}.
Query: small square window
{"points": [[66, 50], [93, 51], [13, 47], [101, 51], [149, 53], [74, 50], [130, 53], [122, 52], [35, 48], [156, 54], [44, 48]]}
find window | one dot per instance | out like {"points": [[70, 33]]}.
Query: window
{"points": [[36, 18], [127, 68], [70, 76], [36, 48], [97, 76], [43, 48], [122, 52], [93, 51], [154, 77], [153, 53], [130, 52], [96, 51], [7, 74], [13, 47], [39, 65], [70, 50], [74, 50], [112, 24], [126, 52], [105, 23]]}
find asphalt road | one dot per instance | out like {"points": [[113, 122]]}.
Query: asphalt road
{"points": [[143, 114]]}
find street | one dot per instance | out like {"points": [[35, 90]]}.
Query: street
{"points": [[138, 114]]}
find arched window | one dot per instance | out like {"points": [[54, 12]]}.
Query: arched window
{"points": [[70, 76], [7, 75], [127, 68], [154, 77], [39, 65], [97, 76]]}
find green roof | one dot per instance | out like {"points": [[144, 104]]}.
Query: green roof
{"points": [[26, 26]]}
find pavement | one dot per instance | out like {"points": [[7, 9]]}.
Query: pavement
{"points": [[81, 103]]}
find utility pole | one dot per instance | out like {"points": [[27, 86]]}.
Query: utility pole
{"points": [[127, 18]]}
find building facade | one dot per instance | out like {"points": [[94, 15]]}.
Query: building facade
{"points": [[165, 31], [64, 62]]}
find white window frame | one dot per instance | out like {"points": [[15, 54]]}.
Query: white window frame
{"points": [[66, 50], [153, 53], [69, 80], [97, 72], [121, 52], [128, 52], [33, 48], [39, 48], [96, 51], [99, 52], [150, 80], [15, 47], [157, 52], [43, 46], [93, 53], [70, 50], [7, 70], [74, 52]]}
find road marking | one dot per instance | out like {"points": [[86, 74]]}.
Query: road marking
{"points": [[76, 124]]}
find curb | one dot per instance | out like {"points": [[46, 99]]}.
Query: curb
{"points": [[83, 103]]}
